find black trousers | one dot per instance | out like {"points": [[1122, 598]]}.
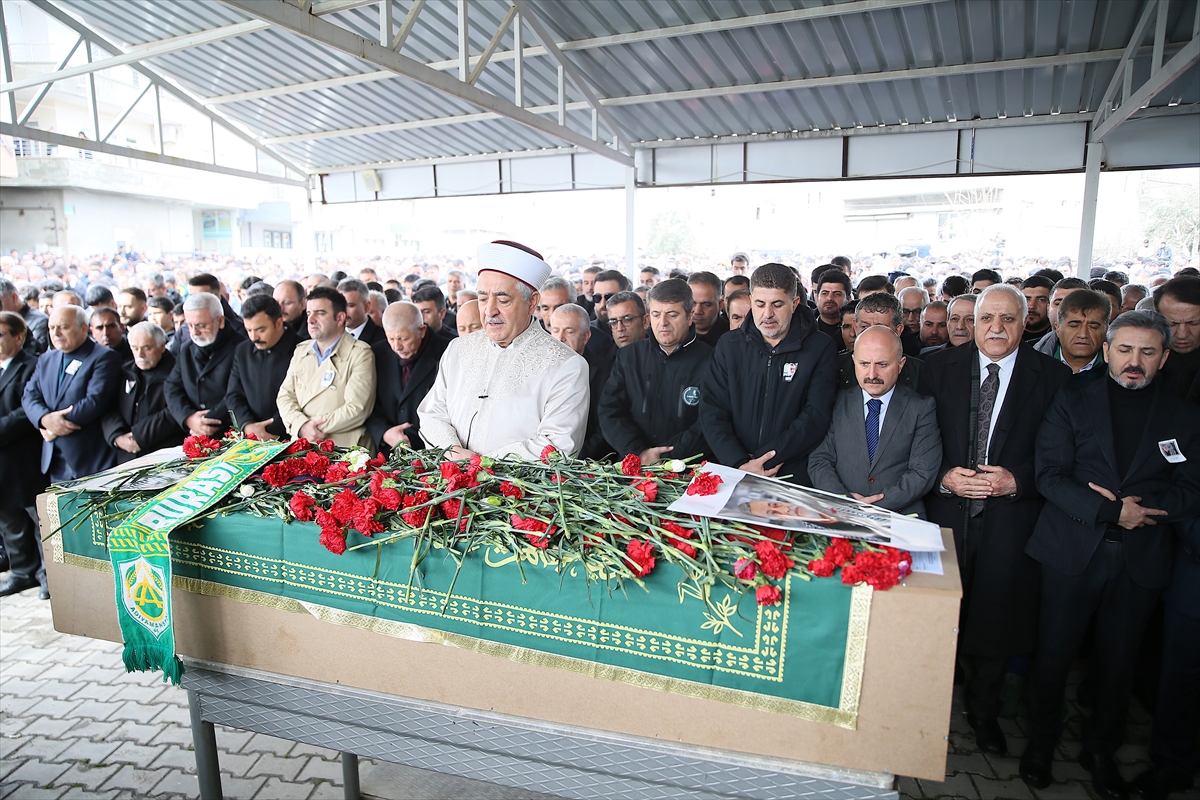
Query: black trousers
{"points": [[19, 529], [984, 675], [1177, 717], [1122, 610]]}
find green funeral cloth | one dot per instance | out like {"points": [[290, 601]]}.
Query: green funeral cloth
{"points": [[802, 656]]}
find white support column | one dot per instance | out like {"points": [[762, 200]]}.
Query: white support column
{"points": [[92, 95], [1091, 191], [464, 48], [385, 23], [519, 61], [631, 269], [6, 58], [158, 119], [562, 96]]}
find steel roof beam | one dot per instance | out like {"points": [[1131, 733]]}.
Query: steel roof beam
{"points": [[95, 37], [140, 53], [492, 44], [41, 95], [1158, 81], [290, 18], [822, 12], [37, 134]]}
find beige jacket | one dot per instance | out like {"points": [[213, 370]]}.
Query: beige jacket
{"points": [[345, 402]]}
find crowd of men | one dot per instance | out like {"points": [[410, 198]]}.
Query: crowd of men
{"points": [[1049, 421]]}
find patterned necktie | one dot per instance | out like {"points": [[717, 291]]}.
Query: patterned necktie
{"points": [[873, 408], [987, 403]]}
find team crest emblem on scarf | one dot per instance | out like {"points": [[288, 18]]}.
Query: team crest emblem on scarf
{"points": [[144, 594]]}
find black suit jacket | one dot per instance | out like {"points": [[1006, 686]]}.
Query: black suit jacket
{"points": [[91, 392], [1001, 585], [141, 409], [395, 405], [255, 379], [1076, 447], [200, 382], [37, 338], [20, 442], [372, 334]]}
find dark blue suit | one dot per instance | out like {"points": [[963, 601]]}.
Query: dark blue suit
{"points": [[92, 389]]}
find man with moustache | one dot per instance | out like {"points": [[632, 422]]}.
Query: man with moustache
{"points": [[107, 330], [737, 305], [831, 291], [512, 389], [935, 330], [358, 323], [37, 339], [140, 421], [883, 445], [913, 300], [571, 325], [557, 292], [158, 311], [406, 368], [1118, 461], [73, 387], [259, 367], [467, 320], [1082, 324], [767, 397], [608, 283], [291, 298], [650, 404], [991, 397], [1178, 300], [131, 304], [879, 308], [960, 324], [198, 383], [709, 314], [1037, 290], [627, 318]]}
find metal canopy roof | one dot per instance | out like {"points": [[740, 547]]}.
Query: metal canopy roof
{"points": [[311, 84]]}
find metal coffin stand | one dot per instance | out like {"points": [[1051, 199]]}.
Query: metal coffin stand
{"points": [[552, 758]]}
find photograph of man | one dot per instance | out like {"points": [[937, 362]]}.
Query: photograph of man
{"points": [[405, 368], [651, 402], [329, 390], [1103, 538], [767, 397], [140, 421], [991, 398], [883, 445]]}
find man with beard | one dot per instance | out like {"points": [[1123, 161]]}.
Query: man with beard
{"points": [[1118, 459], [708, 314], [767, 397], [650, 404], [935, 330], [878, 308], [557, 292], [198, 383], [158, 311], [991, 398], [405, 369], [259, 367], [140, 421], [515, 390], [608, 283], [131, 305], [107, 330], [329, 389], [913, 300], [831, 291], [291, 298]]}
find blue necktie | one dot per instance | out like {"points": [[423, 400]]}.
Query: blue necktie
{"points": [[873, 408]]}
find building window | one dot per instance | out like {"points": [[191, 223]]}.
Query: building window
{"points": [[278, 240]]}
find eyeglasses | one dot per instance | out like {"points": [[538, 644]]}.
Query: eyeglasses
{"points": [[606, 297], [625, 321]]}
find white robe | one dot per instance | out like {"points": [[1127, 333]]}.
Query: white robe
{"points": [[496, 400]]}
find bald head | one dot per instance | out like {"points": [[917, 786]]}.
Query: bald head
{"points": [[468, 318], [68, 328], [878, 359]]}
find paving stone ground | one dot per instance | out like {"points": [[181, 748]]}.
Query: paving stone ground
{"points": [[74, 724]]}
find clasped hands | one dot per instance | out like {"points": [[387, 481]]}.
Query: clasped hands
{"points": [[56, 424], [1133, 515], [987, 481]]}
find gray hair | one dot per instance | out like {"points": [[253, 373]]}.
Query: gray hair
{"points": [[1128, 288], [354, 285], [458, 273], [966, 298], [1011, 291], [204, 301], [1145, 320], [1145, 304], [149, 329], [157, 280], [402, 315], [915, 289], [380, 300], [466, 294], [555, 283], [581, 315], [81, 314]]}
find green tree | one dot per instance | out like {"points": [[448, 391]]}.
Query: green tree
{"points": [[1174, 218], [670, 234]]}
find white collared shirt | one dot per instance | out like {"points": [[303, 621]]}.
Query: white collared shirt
{"points": [[357, 332], [4, 363], [886, 399], [1006, 370]]}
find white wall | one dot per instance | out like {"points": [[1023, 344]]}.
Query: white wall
{"points": [[156, 226]]}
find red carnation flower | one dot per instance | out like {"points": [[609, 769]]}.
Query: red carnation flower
{"points": [[416, 517], [631, 465], [509, 490], [704, 484], [678, 530], [548, 451], [768, 595], [337, 472], [821, 567], [327, 445], [649, 490], [387, 498], [200, 446], [852, 574], [839, 551], [364, 518], [745, 568], [772, 561], [301, 505], [641, 553], [449, 469], [296, 446], [314, 464], [334, 541], [345, 506], [476, 460]]}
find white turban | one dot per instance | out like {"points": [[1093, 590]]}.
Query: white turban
{"points": [[513, 261]]}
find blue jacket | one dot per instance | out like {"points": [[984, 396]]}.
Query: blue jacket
{"points": [[91, 389]]}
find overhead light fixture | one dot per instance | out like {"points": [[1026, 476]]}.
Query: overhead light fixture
{"points": [[952, 118], [1002, 115]]}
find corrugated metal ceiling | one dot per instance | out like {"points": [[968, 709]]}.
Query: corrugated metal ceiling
{"points": [[905, 36]]}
